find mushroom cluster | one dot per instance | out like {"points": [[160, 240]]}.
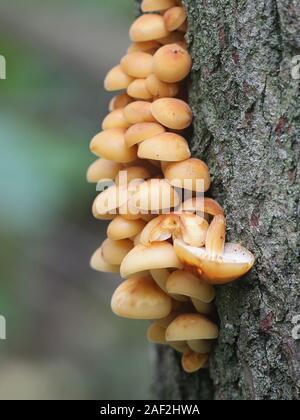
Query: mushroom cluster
{"points": [[169, 251]]}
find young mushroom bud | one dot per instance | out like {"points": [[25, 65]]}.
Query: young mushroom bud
{"points": [[172, 113], [121, 228], [137, 64], [183, 283], [119, 101], [110, 144], [138, 133], [160, 89], [117, 79], [115, 119], [99, 264], [138, 89], [172, 63], [114, 252], [174, 18], [157, 5], [192, 174], [138, 112], [191, 327], [102, 169], [167, 146], [192, 362], [216, 263], [155, 256], [147, 28], [140, 298]]}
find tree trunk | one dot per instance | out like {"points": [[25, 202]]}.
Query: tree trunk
{"points": [[245, 100]]}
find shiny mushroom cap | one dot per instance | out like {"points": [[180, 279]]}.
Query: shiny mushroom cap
{"points": [[99, 264], [147, 28], [110, 144], [115, 119], [175, 18], [154, 195], [155, 256], [119, 101], [138, 133], [191, 327], [138, 90], [114, 252], [183, 283], [167, 147], [161, 89], [172, 113], [160, 277], [140, 298], [192, 174], [137, 64], [109, 200], [117, 79], [157, 5], [121, 228], [138, 112], [102, 169], [172, 63]]}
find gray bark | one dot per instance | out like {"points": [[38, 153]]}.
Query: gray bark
{"points": [[247, 128]]}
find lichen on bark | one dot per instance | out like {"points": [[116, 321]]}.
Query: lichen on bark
{"points": [[247, 128]]}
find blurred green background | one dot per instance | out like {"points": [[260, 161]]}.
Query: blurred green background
{"points": [[63, 342]]}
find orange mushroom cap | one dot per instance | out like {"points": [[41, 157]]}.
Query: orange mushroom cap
{"points": [[140, 298], [172, 113], [172, 63], [147, 28], [166, 146]]}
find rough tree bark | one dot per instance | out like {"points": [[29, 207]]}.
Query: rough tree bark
{"points": [[247, 128]]}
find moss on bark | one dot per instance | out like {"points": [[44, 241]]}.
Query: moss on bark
{"points": [[247, 128]]}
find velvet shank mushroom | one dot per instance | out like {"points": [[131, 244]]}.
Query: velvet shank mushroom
{"points": [[140, 298], [217, 262], [170, 249]]}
